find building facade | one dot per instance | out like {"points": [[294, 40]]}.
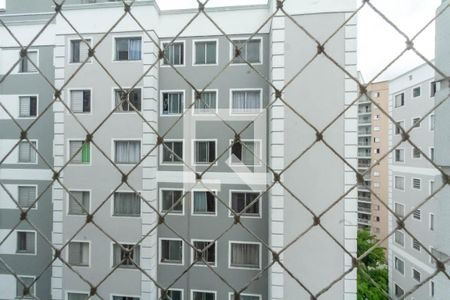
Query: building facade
{"points": [[151, 169]]}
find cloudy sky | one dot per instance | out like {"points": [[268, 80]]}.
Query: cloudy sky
{"points": [[378, 42]]}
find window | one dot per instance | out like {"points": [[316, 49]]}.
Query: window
{"points": [[399, 183], [208, 255], [245, 152], [27, 106], [434, 88], [171, 251], [198, 295], [416, 92], [376, 174], [82, 207], [399, 265], [376, 139], [172, 103], [170, 201], [376, 128], [124, 104], [80, 101], [245, 255], [77, 296], [26, 63], [126, 255], [417, 214], [26, 152], [79, 254], [398, 291], [172, 152], [207, 103], [79, 50], [431, 187], [415, 244], [399, 210], [204, 203], [173, 295], [205, 52], [376, 117], [127, 204], [174, 53], [416, 275], [432, 288], [399, 155], [416, 122], [432, 122], [124, 298], [432, 153], [398, 128], [432, 222], [26, 196], [250, 51], [376, 151], [399, 238], [416, 152], [240, 200], [22, 283], [128, 48], [26, 242], [127, 152], [416, 183], [400, 100], [246, 101], [78, 156], [205, 152]]}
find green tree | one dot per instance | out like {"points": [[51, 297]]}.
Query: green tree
{"points": [[373, 265]]}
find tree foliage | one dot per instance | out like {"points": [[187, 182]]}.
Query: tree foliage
{"points": [[371, 268]]}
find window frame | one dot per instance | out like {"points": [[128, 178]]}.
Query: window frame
{"points": [[431, 123], [36, 195], [19, 65], [202, 291], [33, 287], [183, 102], [413, 124], [114, 48], [89, 253], [113, 102], [403, 207], [88, 39], [112, 206], [17, 252], [413, 149], [183, 201], [404, 183], [162, 64], [412, 245], [172, 289], [437, 84], [395, 100], [258, 154], [412, 184], [242, 38], [81, 164], [420, 91], [36, 142], [245, 114], [111, 296], [230, 295], [404, 265], [161, 153], [113, 150], [68, 201], [67, 292], [420, 214], [396, 126], [431, 221], [208, 114], [404, 239], [203, 214], [245, 216], [194, 52], [37, 106], [404, 156], [69, 96], [230, 266], [214, 265], [120, 266], [193, 153], [183, 254], [395, 284]]}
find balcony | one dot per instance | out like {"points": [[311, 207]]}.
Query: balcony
{"points": [[367, 210], [364, 199], [364, 132], [363, 221]]}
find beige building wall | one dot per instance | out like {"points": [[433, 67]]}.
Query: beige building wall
{"points": [[380, 146]]}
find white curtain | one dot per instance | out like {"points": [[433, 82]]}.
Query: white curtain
{"points": [[200, 202], [32, 55], [82, 198], [79, 254], [74, 146], [76, 101], [248, 151], [84, 50], [238, 101], [26, 152], [26, 195], [127, 152], [126, 204], [245, 255], [24, 106], [134, 49], [253, 101], [207, 103]]}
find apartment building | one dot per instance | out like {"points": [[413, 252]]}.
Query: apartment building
{"points": [[412, 180], [372, 145], [25, 177], [166, 135]]}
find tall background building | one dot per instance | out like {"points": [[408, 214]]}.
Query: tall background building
{"points": [[97, 137]]}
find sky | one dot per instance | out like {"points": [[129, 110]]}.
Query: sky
{"points": [[378, 42]]}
